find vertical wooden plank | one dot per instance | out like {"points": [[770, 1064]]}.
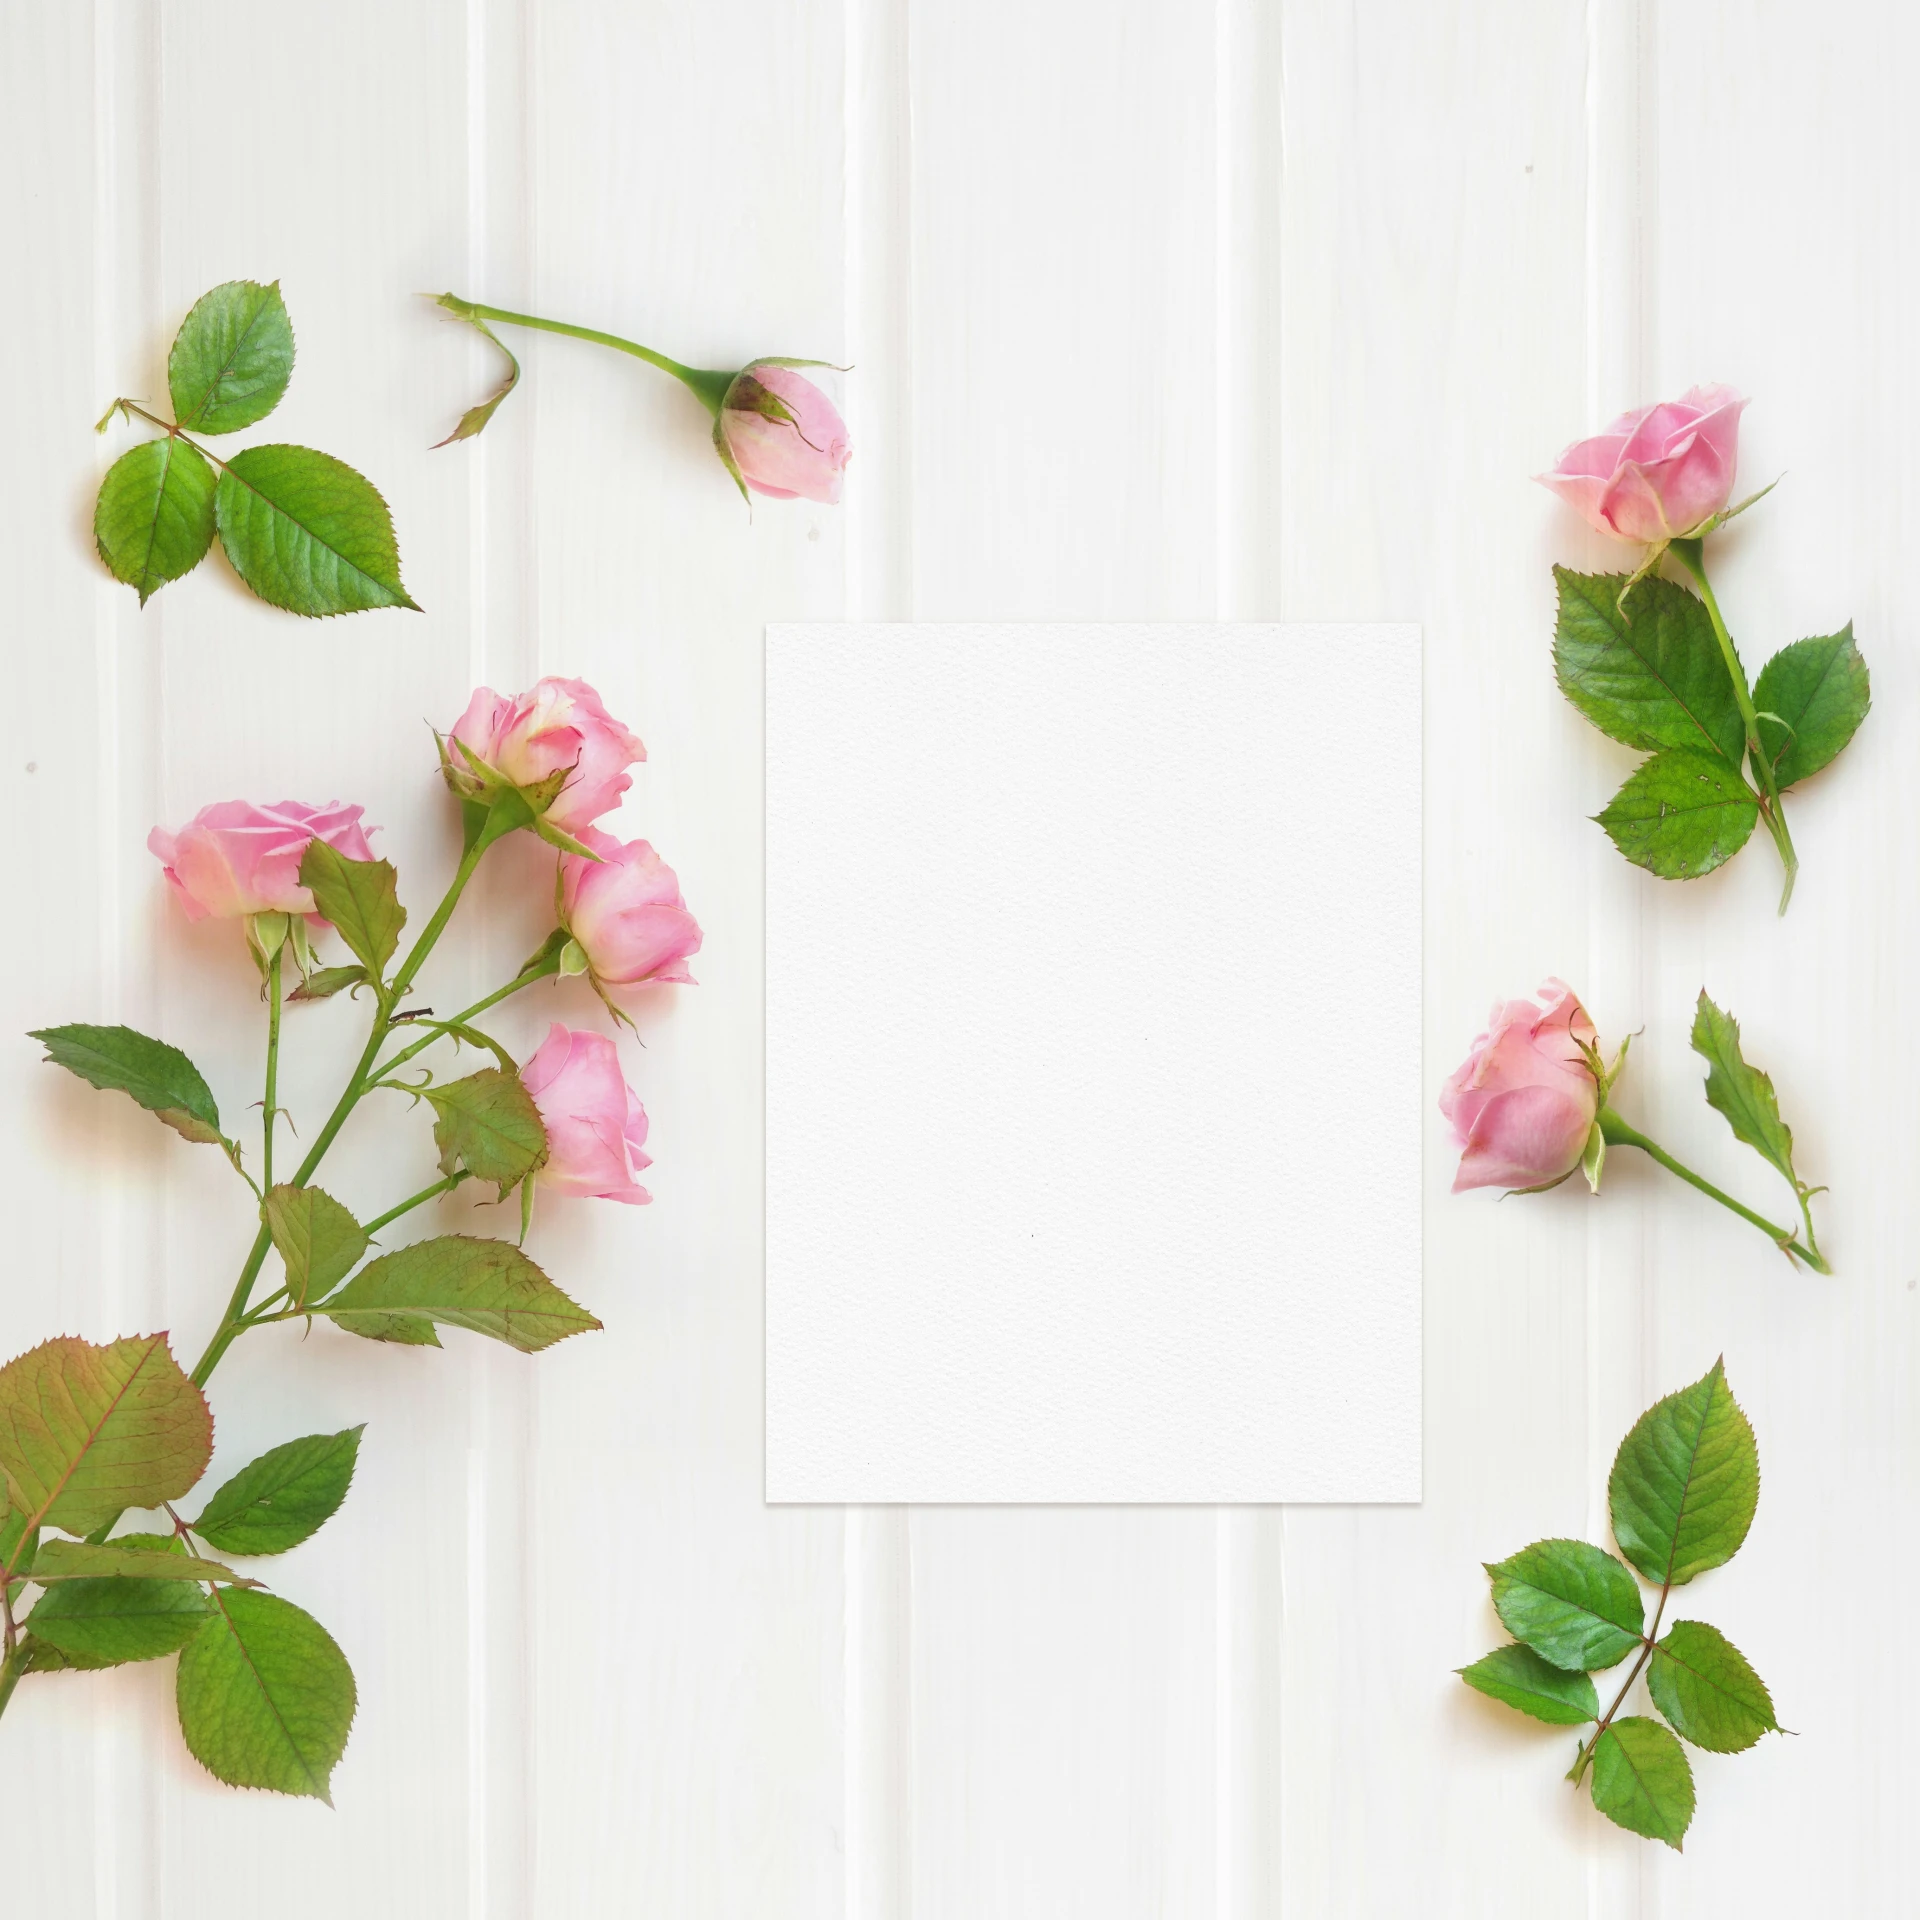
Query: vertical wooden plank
{"points": [[1796, 284], [64, 1764], [1433, 290], [1250, 1626], [1065, 1732], [878, 533], [503, 652], [244, 700], [1624, 905], [689, 1704], [1064, 312]]}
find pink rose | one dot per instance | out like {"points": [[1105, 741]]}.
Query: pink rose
{"points": [[625, 912], [1523, 1102], [596, 1127], [559, 723], [234, 858], [784, 435], [1658, 474]]}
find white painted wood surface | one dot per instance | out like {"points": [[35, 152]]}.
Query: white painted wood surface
{"points": [[1263, 310]]}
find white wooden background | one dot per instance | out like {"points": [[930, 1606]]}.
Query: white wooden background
{"points": [[1258, 309]]}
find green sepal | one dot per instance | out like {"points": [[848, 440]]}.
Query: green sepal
{"points": [[266, 935], [232, 358], [1703, 1683], [492, 806], [546, 959], [152, 1074], [1685, 1483], [1593, 1156], [1681, 814], [308, 533], [1517, 1677], [1641, 1780], [1811, 698], [1575, 1606], [284, 1497], [727, 460], [265, 1697], [153, 520]]}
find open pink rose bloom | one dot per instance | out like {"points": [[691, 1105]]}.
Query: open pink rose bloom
{"points": [[1658, 473], [1523, 1102], [625, 911], [558, 723], [235, 858], [596, 1126]]}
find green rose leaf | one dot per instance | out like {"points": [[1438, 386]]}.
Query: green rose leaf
{"points": [[1680, 814], [266, 1698], [1819, 689], [156, 1076], [61, 1560], [1701, 1681], [1575, 1606], [1517, 1676], [1685, 1483], [1650, 677], [488, 1126], [486, 1286], [153, 520], [284, 1497], [107, 1623], [318, 1240], [1641, 1780], [307, 533], [324, 982], [86, 1431], [362, 900], [1742, 1094], [232, 358]]}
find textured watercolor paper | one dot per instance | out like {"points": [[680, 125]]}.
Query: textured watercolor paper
{"points": [[1094, 1095]]}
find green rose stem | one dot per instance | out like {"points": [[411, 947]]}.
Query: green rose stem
{"points": [[273, 1070], [709, 387], [235, 1322], [1577, 1772], [1618, 1133], [1692, 555], [418, 1200]]}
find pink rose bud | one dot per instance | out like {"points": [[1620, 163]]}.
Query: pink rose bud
{"points": [[625, 913], [1523, 1102], [234, 858], [596, 1127], [557, 724], [1656, 475], [783, 435]]}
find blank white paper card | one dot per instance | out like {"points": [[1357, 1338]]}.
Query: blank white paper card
{"points": [[1094, 1094]]}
